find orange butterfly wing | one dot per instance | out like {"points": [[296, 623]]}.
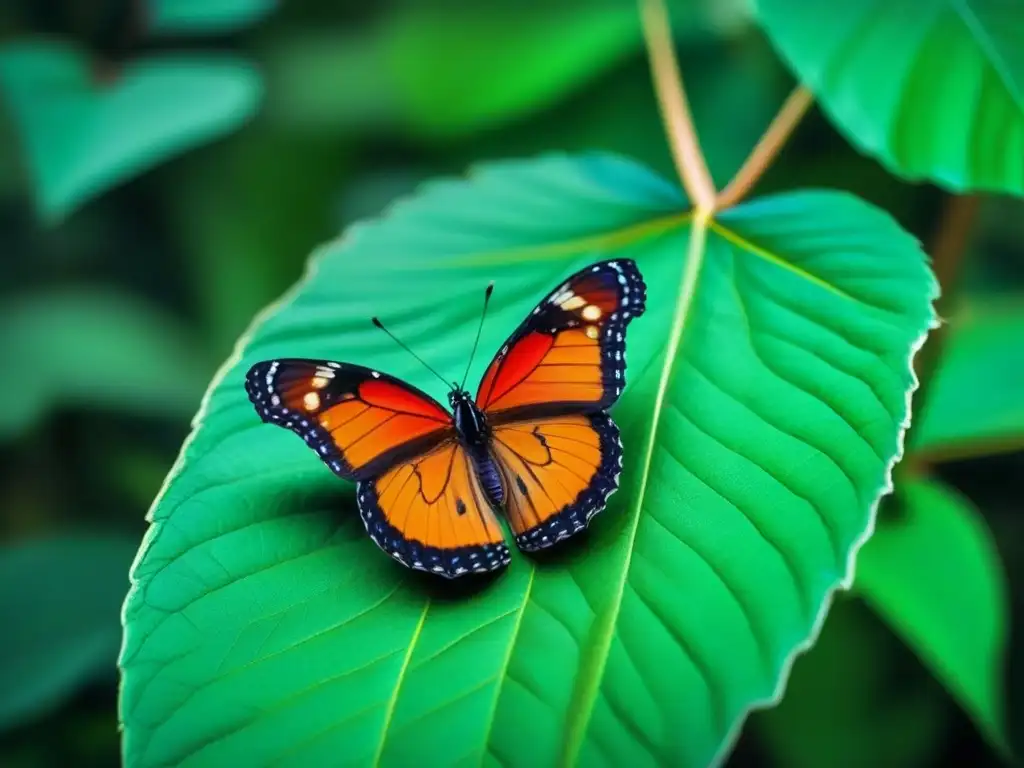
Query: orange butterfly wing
{"points": [[430, 513], [570, 352], [359, 421], [418, 496], [546, 394], [558, 472]]}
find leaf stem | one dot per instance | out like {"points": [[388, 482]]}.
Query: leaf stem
{"points": [[675, 110], [779, 131]]}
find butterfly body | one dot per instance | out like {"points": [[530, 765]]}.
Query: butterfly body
{"points": [[535, 445], [474, 435]]}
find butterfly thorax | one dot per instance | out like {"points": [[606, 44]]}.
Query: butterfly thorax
{"points": [[475, 436]]}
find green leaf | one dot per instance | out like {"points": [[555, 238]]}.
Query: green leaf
{"points": [[974, 405], [766, 395], [844, 687], [205, 16], [932, 88], [441, 72], [933, 573], [60, 599], [96, 348], [81, 138], [243, 238]]}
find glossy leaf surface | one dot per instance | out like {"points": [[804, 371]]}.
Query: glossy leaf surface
{"points": [[933, 88], [766, 393]]}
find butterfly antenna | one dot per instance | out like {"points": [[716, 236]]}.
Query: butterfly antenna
{"points": [[487, 300], [398, 341]]}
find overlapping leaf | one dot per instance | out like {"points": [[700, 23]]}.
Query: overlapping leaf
{"points": [[766, 398], [933, 88], [58, 353], [53, 643], [974, 404], [933, 573], [81, 136]]}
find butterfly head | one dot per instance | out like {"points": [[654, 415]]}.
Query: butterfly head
{"points": [[458, 396]]}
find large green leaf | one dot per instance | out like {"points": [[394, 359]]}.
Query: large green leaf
{"points": [[933, 572], [933, 88], [59, 603], [92, 348], [974, 403], [80, 137], [766, 399]]}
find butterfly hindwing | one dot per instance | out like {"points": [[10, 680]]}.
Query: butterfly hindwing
{"points": [[430, 513], [558, 472], [359, 421], [570, 352]]}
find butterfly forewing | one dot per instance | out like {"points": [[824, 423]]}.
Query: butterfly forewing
{"points": [[359, 421], [545, 395], [569, 354]]}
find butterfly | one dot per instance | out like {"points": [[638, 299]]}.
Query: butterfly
{"points": [[535, 444]]}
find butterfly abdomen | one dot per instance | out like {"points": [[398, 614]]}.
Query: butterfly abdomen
{"points": [[487, 471]]}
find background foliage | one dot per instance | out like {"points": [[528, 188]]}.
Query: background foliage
{"points": [[167, 166]]}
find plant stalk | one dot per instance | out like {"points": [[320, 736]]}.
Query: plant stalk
{"points": [[779, 131], [675, 110]]}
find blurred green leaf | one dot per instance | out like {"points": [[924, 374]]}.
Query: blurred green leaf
{"points": [[248, 214], [205, 16], [80, 137], [60, 603], [264, 622], [975, 403], [734, 90], [933, 88], [94, 348], [441, 73], [932, 571], [844, 707]]}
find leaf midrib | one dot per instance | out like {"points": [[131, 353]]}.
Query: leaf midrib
{"points": [[390, 711], [584, 705]]}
